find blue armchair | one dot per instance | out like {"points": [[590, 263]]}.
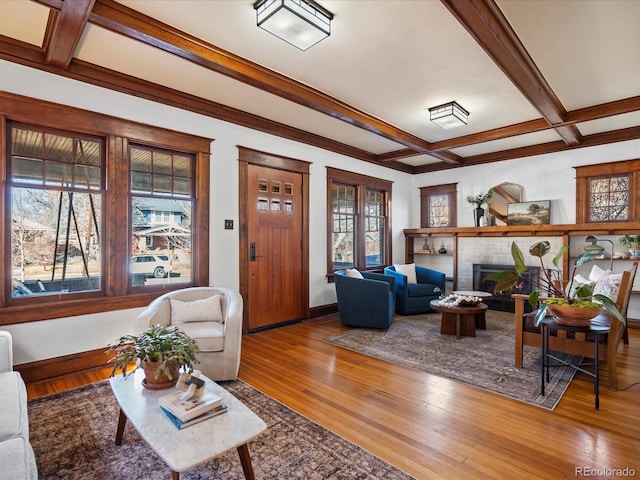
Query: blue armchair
{"points": [[414, 298], [365, 302]]}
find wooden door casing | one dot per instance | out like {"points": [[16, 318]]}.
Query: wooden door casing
{"points": [[274, 244]]}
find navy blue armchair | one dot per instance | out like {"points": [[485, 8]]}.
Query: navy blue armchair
{"points": [[365, 302], [412, 298]]}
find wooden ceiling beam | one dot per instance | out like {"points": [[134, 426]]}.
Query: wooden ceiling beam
{"points": [[587, 114], [14, 51], [488, 26], [596, 139], [64, 31], [25, 54], [132, 24]]}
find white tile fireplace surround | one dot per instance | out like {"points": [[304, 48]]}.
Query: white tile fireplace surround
{"points": [[496, 251]]}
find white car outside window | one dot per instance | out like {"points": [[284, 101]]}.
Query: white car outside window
{"points": [[157, 266]]}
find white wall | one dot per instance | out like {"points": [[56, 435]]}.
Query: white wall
{"points": [[56, 337], [547, 177], [544, 177]]}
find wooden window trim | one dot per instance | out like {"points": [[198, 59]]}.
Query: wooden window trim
{"points": [[343, 177], [426, 192], [116, 245], [602, 170]]}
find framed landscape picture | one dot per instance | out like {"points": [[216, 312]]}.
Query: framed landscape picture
{"points": [[529, 213]]}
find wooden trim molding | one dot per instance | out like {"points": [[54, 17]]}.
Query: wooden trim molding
{"points": [[246, 157], [64, 365], [585, 173]]}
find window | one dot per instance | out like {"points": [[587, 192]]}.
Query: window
{"points": [[359, 234], [55, 180], [96, 210], [607, 192], [609, 199], [438, 206], [162, 190]]}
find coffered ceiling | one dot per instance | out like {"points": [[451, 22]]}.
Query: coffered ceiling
{"points": [[536, 76]]}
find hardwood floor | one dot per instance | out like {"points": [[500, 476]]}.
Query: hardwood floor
{"points": [[431, 427]]}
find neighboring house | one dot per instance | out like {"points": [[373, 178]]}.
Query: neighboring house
{"points": [[161, 225]]}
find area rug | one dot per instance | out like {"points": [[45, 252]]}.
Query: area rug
{"points": [[73, 432], [485, 361]]}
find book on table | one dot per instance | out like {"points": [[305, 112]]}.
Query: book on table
{"points": [[186, 407], [209, 414]]}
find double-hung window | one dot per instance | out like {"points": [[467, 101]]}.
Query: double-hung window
{"points": [[162, 199], [359, 232]]}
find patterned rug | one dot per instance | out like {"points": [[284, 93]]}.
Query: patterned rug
{"points": [[73, 434], [485, 361]]}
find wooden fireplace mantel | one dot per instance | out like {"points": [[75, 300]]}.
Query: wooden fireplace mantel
{"points": [[450, 235], [570, 229]]}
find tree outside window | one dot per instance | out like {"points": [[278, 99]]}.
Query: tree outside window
{"points": [[56, 193], [438, 206], [609, 199], [607, 192], [358, 220]]}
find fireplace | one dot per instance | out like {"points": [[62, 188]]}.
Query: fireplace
{"points": [[502, 300]]}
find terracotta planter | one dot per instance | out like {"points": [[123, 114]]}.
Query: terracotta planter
{"points": [[574, 316], [160, 382]]}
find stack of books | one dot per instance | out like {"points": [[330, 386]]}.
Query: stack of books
{"points": [[185, 412]]}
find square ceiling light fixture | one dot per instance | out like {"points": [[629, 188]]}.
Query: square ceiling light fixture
{"points": [[449, 115], [302, 23]]}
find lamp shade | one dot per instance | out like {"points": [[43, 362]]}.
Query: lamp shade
{"points": [[598, 249], [449, 115], [302, 23]]}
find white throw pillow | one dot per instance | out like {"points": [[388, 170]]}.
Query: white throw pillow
{"points": [[596, 273], [354, 273], [578, 282], [609, 285], [205, 310], [409, 270]]}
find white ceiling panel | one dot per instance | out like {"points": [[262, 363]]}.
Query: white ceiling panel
{"points": [[24, 21]]}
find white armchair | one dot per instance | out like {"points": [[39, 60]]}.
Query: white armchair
{"points": [[219, 334]]}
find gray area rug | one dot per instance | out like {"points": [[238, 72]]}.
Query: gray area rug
{"points": [[73, 434], [484, 361]]}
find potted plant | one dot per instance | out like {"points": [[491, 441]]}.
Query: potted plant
{"points": [[570, 305], [632, 242], [478, 201], [160, 351]]}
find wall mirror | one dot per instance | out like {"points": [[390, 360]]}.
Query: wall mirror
{"points": [[503, 195]]}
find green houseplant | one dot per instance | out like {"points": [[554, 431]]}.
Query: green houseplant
{"points": [[557, 292], [632, 242], [160, 351]]}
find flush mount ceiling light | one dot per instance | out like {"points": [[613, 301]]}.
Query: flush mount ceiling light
{"points": [[449, 115], [302, 23]]}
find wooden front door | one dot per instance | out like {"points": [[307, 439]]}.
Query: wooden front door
{"points": [[275, 259]]}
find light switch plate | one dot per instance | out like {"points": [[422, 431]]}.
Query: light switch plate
{"points": [[228, 224]]}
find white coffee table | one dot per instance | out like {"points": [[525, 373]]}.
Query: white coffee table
{"points": [[184, 449]]}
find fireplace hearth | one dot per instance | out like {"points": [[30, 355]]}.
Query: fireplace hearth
{"points": [[502, 300]]}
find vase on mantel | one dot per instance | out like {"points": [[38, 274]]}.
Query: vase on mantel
{"points": [[478, 213]]}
